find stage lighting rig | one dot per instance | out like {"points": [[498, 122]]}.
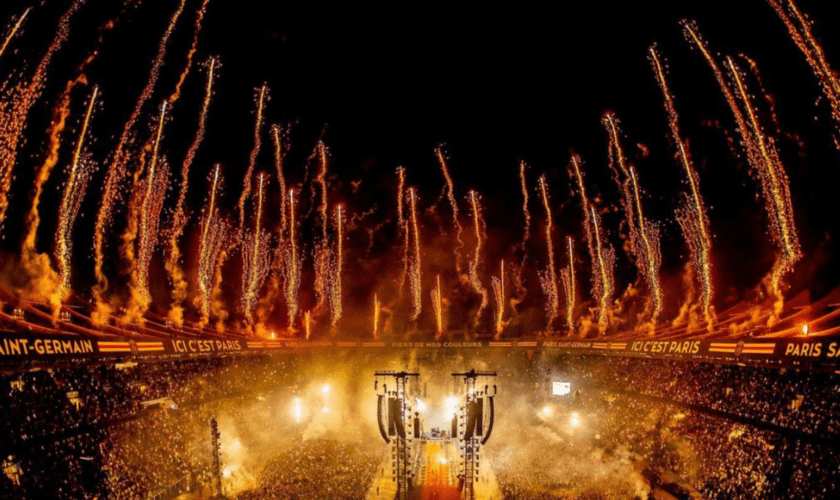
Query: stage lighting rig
{"points": [[473, 428], [395, 417]]}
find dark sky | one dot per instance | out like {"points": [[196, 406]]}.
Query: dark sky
{"points": [[384, 85]]}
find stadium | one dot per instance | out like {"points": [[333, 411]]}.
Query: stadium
{"points": [[259, 251]]}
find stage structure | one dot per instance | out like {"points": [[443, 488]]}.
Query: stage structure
{"points": [[472, 424], [217, 462], [397, 425]]}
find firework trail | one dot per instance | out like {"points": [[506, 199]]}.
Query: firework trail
{"points": [[321, 180], [400, 196], [14, 31], [41, 280], [499, 296], [14, 108], [567, 276], [252, 161], [450, 193], [322, 257], [519, 288], [402, 225], [475, 282], [199, 18], [548, 276], [36, 265], [69, 209], [291, 265], [601, 254], [218, 308], [117, 172], [437, 307], [173, 257], [377, 308], [776, 190], [255, 261], [152, 203], [211, 250], [650, 237], [606, 260], [692, 215], [799, 28], [335, 281], [414, 276], [692, 34], [307, 324], [279, 155], [644, 235]]}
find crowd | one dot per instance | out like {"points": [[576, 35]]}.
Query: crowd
{"points": [[717, 431], [722, 432], [318, 469]]}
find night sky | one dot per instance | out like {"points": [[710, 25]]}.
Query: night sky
{"points": [[384, 86]]}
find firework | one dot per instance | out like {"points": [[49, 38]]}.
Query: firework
{"points": [[402, 225], [644, 235], [377, 308], [179, 222], [414, 275], [33, 218], [322, 258], [291, 265], [600, 252], [548, 276], [307, 324], [15, 107], [213, 234], [499, 296], [776, 190], [199, 18], [437, 307], [14, 31], [400, 190], [69, 209], [335, 281], [475, 282], [152, 203], [692, 215], [279, 155], [117, 171], [606, 259], [692, 34], [252, 160], [450, 193], [567, 276], [799, 28], [519, 288], [255, 263]]}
